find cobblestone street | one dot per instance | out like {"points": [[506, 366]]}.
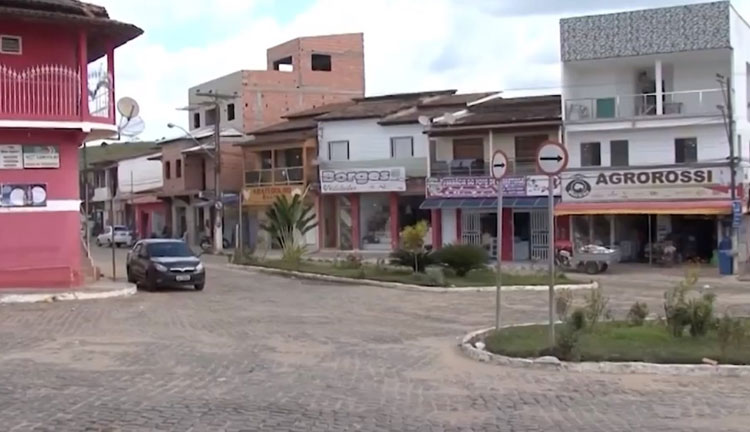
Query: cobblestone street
{"points": [[259, 352]]}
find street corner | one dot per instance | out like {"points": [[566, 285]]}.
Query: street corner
{"points": [[95, 291]]}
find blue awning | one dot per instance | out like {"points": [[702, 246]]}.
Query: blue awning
{"points": [[485, 203]]}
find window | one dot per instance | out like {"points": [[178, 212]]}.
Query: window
{"points": [[196, 120], [468, 148], [618, 151], [167, 170], [338, 150], [321, 62], [591, 154], [10, 45], [685, 150], [284, 65], [230, 112], [402, 147], [526, 148], [178, 168], [211, 117], [433, 150]]}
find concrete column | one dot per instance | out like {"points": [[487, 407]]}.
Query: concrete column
{"points": [[393, 201], [659, 88], [354, 199], [437, 228]]}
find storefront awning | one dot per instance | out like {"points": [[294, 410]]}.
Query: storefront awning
{"points": [[714, 207], [484, 203]]}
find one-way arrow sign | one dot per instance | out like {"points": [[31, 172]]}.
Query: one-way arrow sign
{"points": [[552, 158], [499, 165]]}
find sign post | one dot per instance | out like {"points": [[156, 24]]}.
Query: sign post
{"points": [[736, 213], [551, 159], [499, 169]]}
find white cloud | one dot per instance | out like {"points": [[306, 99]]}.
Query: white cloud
{"points": [[409, 45]]}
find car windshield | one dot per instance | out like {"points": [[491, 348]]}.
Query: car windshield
{"points": [[120, 228], [169, 249]]}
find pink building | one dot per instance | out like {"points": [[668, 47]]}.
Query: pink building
{"points": [[56, 91]]}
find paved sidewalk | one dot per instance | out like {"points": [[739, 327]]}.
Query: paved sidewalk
{"points": [[96, 290]]}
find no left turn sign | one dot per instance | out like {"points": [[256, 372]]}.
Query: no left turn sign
{"points": [[552, 158]]}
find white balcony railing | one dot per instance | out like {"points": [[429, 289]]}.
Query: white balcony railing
{"points": [[679, 103]]}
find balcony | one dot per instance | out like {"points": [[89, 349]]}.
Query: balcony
{"points": [[476, 168], [275, 176], [674, 104], [53, 93]]}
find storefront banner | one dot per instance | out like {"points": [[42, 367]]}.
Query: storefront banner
{"points": [[23, 195], [486, 187], [647, 184], [41, 157], [266, 195], [11, 156], [363, 180]]}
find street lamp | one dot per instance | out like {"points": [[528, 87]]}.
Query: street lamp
{"points": [[191, 136]]}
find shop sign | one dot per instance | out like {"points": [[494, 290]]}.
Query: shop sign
{"points": [[41, 157], [647, 184], [486, 187], [23, 195], [11, 156], [266, 195], [363, 180]]}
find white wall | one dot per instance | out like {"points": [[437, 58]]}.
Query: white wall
{"points": [[448, 224], [146, 175], [740, 38], [367, 139], [653, 146]]}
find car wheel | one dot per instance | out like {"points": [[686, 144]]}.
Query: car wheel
{"points": [[131, 279], [199, 287], [98, 242], [592, 267]]}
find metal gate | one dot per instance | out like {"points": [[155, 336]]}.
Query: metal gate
{"points": [[539, 235], [470, 228]]}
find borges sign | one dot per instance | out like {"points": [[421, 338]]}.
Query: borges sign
{"points": [[647, 184], [363, 180]]}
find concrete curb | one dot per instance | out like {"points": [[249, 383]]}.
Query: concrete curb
{"points": [[67, 296], [552, 363], [406, 287]]}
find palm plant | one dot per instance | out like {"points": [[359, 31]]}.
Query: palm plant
{"points": [[288, 220]]}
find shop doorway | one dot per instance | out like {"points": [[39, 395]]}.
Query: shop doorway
{"points": [[530, 235], [470, 228], [694, 237], [330, 223]]}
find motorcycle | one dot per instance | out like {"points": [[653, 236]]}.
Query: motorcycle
{"points": [[207, 243]]}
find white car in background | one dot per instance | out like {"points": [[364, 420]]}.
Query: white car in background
{"points": [[122, 236]]}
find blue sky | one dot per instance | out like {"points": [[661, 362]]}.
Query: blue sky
{"points": [[410, 45]]}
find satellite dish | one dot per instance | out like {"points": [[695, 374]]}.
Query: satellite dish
{"points": [[424, 120], [128, 107], [133, 127], [449, 118]]}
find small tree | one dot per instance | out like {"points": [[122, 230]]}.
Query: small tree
{"points": [[287, 221], [412, 247]]}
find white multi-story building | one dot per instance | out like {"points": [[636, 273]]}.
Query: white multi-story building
{"points": [[645, 109], [373, 160]]}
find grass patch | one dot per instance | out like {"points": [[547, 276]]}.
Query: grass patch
{"points": [[618, 341], [475, 278]]}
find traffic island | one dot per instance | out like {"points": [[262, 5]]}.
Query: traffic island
{"points": [[94, 291], [613, 347]]}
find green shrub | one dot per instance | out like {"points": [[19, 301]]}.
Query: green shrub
{"points": [[462, 258], [566, 344], [563, 300], [637, 314], [701, 311], [417, 261], [352, 261], [436, 276], [577, 320], [596, 306], [730, 331]]}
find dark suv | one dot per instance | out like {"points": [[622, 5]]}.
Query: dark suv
{"points": [[157, 263]]}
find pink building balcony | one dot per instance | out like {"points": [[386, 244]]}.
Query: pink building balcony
{"points": [[51, 92]]}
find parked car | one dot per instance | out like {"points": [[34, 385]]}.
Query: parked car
{"points": [[122, 236], [155, 263]]}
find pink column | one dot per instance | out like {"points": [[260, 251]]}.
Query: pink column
{"points": [[83, 62], [437, 228], [354, 199], [111, 76], [394, 220]]}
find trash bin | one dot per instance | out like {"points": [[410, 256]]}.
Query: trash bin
{"points": [[725, 257]]}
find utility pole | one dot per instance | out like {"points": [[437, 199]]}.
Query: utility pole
{"points": [[216, 101], [728, 114]]}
